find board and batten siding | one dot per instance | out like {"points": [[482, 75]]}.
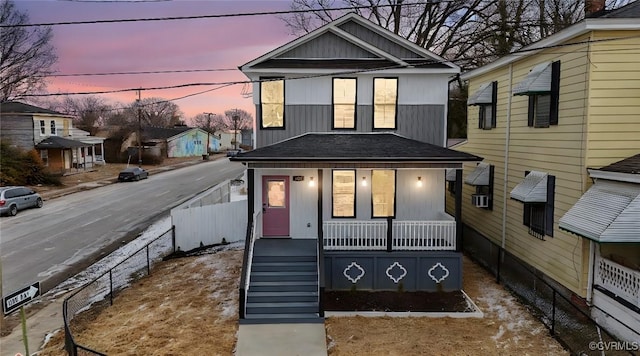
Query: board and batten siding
{"points": [[308, 108], [327, 45], [614, 98], [303, 200], [556, 150]]}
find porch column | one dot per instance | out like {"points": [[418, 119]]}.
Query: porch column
{"points": [[250, 195], [320, 204], [458, 210]]}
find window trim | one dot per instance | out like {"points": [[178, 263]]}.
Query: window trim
{"points": [[373, 106], [493, 105], [355, 105], [355, 194], [284, 122], [53, 127], [395, 194], [43, 128], [548, 213]]}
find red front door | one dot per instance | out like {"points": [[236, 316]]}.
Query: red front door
{"points": [[275, 206]]}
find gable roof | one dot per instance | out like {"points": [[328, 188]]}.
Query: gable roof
{"points": [[154, 132], [16, 107], [387, 147], [59, 142], [360, 42], [624, 18]]}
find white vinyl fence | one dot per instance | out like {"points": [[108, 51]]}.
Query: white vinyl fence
{"points": [[209, 218]]}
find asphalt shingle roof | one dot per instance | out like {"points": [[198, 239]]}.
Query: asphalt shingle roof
{"points": [[16, 107], [353, 147], [59, 142], [628, 165], [629, 11]]}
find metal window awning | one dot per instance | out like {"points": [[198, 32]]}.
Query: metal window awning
{"points": [[533, 189], [482, 96], [451, 175], [607, 212], [538, 81], [479, 176]]}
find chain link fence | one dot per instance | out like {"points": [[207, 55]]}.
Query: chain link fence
{"points": [[99, 293], [569, 322]]}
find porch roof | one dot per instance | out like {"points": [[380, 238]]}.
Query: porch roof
{"points": [[59, 142], [340, 147]]}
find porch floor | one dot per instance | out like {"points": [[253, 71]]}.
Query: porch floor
{"points": [[285, 247]]}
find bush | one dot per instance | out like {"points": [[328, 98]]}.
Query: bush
{"points": [[23, 168]]}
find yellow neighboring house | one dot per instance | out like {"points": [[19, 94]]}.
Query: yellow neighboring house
{"points": [[544, 118]]}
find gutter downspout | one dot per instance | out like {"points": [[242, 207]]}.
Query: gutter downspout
{"points": [[590, 276], [506, 160]]}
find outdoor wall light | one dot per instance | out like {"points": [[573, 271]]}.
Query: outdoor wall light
{"points": [[364, 181], [312, 183], [419, 183]]}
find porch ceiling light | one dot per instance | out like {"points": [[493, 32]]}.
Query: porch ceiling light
{"points": [[312, 183], [364, 181], [419, 183]]}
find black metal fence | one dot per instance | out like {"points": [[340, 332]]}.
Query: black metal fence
{"points": [[100, 292], [569, 322]]}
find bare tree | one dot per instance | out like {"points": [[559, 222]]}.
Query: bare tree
{"points": [[26, 54], [159, 112], [210, 122], [90, 112], [236, 120]]}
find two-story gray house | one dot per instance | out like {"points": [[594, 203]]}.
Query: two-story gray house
{"points": [[346, 184]]}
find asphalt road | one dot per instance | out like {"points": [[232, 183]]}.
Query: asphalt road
{"points": [[71, 232]]}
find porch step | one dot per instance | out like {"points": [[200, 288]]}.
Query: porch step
{"points": [[310, 318], [282, 308], [282, 258], [288, 286], [283, 266], [274, 297], [274, 276]]}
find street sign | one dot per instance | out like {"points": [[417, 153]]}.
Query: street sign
{"points": [[20, 297]]}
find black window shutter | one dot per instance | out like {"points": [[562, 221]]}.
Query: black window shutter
{"points": [[555, 93], [549, 206], [531, 113], [494, 103], [480, 116]]}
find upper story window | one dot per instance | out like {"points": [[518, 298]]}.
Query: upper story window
{"points": [[53, 128], [542, 86], [383, 193], [385, 99], [344, 194], [42, 128], [344, 103], [485, 98], [272, 103]]}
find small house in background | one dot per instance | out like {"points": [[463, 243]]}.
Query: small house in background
{"points": [[228, 139], [61, 147], [172, 142]]}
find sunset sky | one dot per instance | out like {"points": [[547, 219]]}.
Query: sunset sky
{"points": [[194, 44]]}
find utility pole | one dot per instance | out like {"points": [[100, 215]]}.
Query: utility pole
{"points": [[235, 119], [206, 153], [138, 104]]}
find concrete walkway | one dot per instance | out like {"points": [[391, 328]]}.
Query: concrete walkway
{"points": [[281, 340]]}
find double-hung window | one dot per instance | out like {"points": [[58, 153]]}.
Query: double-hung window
{"points": [[385, 100], [272, 103], [53, 128], [537, 192], [43, 128], [485, 98], [344, 103], [383, 193], [344, 194], [542, 86]]}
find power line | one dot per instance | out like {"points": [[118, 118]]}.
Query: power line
{"points": [[243, 14], [143, 72]]}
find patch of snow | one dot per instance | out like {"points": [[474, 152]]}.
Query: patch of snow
{"points": [[48, 337]]}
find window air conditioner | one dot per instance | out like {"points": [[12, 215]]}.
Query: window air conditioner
{"points": [[480, 200]]}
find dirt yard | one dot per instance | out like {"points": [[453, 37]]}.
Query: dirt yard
{"points": [[189, 306]]}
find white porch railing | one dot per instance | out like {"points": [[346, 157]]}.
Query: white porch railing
{"points": [[405, 235], [619, 280]]}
